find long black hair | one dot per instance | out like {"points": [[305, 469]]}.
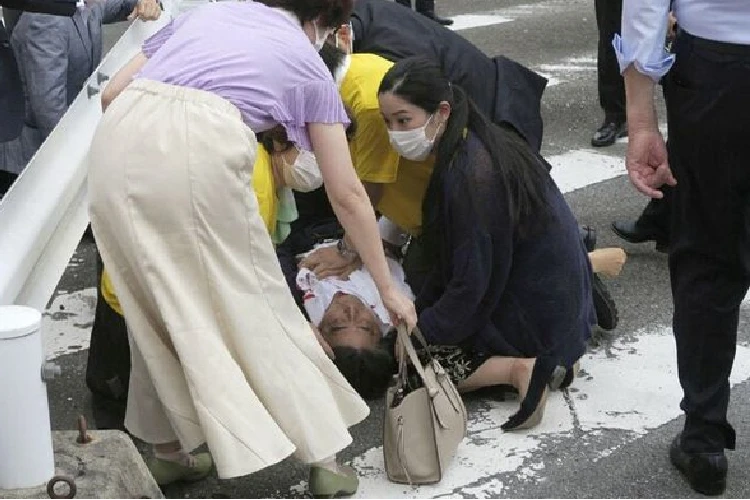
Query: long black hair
{"points": [[420, 81]]}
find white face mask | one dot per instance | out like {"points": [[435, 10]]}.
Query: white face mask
{"points": [[321, 35], [413, 144], [304, 175]]}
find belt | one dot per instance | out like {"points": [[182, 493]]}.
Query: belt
{"points": [[716, 46]]}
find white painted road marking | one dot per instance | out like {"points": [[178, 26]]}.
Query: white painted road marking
{"points": [[68, 320], [469, 21], [581, 67], [66, 324], [578, 169], [642, 366]]}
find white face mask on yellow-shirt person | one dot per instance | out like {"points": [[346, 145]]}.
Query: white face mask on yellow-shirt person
{"points": [[296, 169]]}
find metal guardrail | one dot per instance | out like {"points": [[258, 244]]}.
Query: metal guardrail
{"points": [[45, 213]]}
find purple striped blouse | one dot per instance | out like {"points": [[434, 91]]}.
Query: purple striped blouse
{"points": [[256, 57]]}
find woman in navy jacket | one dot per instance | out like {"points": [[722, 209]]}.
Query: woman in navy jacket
{"points": [[510, 281]]}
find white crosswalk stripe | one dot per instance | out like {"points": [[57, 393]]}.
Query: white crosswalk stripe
{"points": [[574, 67], [468, 21]]}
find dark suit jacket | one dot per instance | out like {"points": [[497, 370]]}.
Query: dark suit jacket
{"points": [[55, 7], [506, 91], [11, 91], [56, 55]]}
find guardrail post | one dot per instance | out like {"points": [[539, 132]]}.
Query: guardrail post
{"points": [[25, 433]]}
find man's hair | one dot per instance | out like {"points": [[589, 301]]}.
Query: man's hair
{"points": [[369, 371], [332, 13]]}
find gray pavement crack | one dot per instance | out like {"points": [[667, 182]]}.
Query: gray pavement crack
{"points": [[577, 431]]}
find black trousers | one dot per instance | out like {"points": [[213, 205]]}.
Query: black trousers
{"points": [[657, 215], [610, 82], [708, 112], [421, 6]]}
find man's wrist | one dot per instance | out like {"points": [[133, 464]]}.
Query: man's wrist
{"points": [[346, 251], [641, 110]]}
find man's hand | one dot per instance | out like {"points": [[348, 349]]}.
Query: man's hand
{"points": [[646, 161], [646, 158], [328, 262], [146, 10]]}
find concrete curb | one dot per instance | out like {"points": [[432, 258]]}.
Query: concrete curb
{"points": [[107, 467]]}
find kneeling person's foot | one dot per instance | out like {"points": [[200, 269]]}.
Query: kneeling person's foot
{"points": [[608, 261], [706, 472]]}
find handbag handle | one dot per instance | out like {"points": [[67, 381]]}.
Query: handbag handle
{"points": [[405, 343]]}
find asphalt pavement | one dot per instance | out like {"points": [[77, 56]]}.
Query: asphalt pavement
{"points": [[608, 435]]}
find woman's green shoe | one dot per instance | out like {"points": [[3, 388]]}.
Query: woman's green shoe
{"points": [[167, 471], [328, 484]]}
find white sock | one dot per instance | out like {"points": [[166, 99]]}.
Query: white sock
{"points": [[181, 457]]}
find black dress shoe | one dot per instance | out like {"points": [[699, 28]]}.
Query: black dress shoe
{"points": [[608, 133], [442, 20], [632, 232], [706, 472], [604, 305]]}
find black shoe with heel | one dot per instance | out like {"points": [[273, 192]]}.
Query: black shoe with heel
{"points": [[532, 407], [607, 315], [588, 236]]}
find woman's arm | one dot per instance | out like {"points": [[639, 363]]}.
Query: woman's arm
{"points": [[354, 210], [122, 78], [480, 263]]}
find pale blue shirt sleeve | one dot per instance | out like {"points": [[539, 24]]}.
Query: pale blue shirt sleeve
{"points": [[644, 31]]}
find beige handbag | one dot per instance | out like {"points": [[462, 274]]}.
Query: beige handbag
{"points": [[424, 420]]}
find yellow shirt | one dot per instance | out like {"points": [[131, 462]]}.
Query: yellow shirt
{"points": [[375, 161], [265, 192], [265, 188]]}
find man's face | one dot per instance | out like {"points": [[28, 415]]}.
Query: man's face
{"points": [[349, 322]]}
